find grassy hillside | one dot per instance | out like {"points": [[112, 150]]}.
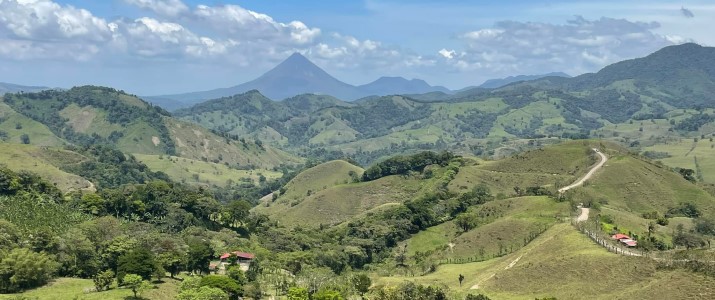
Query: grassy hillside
{"points": [[319, 178], [199, 172], [565, 264], [504, 226], [45, 162], [195, 142], [340, 203], [74, 288], [13, 125], [630, 184], [91, 115], [568, 159]]}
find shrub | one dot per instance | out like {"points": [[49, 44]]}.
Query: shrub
{"points": [[22, 269], [103, 280]]}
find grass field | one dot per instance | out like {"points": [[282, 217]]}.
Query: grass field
{"points": [[504, 226], [319, 178], [44, 162], [38, 133], [502, 182], [637, 186], [684, 153], [565, 264], [342, 202], [74, 288], [200, 172], [195, 142], [570, 159]]}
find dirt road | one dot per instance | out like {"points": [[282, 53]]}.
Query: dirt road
{"points": [[588, 175]]}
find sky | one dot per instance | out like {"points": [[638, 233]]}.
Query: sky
{"points": [[154, 47]]}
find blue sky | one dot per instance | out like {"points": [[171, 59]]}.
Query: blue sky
{"points": [[153, 47]]}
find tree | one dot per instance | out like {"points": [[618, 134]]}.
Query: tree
{"points": [[103, 280], [476, 297], [237, 210], [22, 269], [467, 221], [296, 293], [226, 284], [235, 273], [361, 283], [25, 139], [705, 226], [77, 255], [9, 235], [688, 174], [199, 256], [139, 261], [135, 283], [202, 293]]}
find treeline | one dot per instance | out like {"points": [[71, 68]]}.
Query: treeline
{"points": [[110, 168], [693, 123], [400, 165]]}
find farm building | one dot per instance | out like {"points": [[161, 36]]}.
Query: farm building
{"points": [[242, 259], [625, 240]]}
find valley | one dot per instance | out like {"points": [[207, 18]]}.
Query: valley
{"points": [[411, 190]]}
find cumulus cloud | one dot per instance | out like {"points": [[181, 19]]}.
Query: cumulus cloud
{"points": [[687, 13], [161, 7], [578, 46], [49, 21], [237, 22]]}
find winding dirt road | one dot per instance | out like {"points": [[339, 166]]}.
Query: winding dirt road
{"points": [[588, 175]]}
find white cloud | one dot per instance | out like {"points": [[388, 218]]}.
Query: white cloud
{"points": [[448, 54], [49, 21], [237, 22], [161, 7], [578, 46]]}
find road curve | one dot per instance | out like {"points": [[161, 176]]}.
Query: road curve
{"points": [[588, 175]]}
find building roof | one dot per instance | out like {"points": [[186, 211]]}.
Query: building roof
{"points": [[243, 255], [620, 236], [629, 242]]}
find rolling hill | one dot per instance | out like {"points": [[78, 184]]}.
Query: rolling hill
{"points": [[497, 83], [630, 102]]}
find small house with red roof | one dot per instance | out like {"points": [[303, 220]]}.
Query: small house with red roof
{"points": [[242, 259], [625, 240]]}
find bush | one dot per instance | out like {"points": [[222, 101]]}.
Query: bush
{"points": [[22, 269], [328, 295], [226, 284], [103, 280], [298, 294]]}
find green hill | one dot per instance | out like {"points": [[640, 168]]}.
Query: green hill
{"points": [[640, 102], [45, 162], [320, 177], [565, 264], [14, 125], [92, 115]]}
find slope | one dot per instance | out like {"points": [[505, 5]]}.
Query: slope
{"points": [[45, 162], [576, 267]]}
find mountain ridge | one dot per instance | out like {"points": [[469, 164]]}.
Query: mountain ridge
{"points": [[295, 76]]}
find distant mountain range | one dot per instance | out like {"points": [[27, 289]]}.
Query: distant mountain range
{"points": [[14, 88], [497, 83], [298, 75]]}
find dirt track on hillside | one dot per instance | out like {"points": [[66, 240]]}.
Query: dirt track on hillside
{"points": [[588, 175]]}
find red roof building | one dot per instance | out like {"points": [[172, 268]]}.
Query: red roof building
{"points": [[240, 255], [620, 236]]}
